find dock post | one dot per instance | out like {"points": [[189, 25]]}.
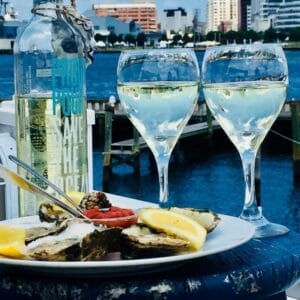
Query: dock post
{"points": [[209, 120], [136, 150], [108, 117], [258, 178], [295, 110], [210, 129]]}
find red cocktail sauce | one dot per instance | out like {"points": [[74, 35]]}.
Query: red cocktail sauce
{"points": [[114, 217]]}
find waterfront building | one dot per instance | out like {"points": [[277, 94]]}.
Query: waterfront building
{"points": [[143, 13], [288, 15], [177, 19], [245, 14], [198, 26], [112, 24], [222, 15], [264, 13], [279, 14]]}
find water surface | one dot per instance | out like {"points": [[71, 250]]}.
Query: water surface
{"points": [[101, 75]]}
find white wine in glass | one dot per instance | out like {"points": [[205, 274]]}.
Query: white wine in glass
{"points": [[245, 89], [159, 90]]}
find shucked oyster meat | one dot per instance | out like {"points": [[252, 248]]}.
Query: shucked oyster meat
{"points": [[139, 241], [78, 241], [205, 217], [38, 232], [51, 213]]}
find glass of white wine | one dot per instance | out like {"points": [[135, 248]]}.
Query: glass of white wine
{"points": [[159, 90], [245, 89]]}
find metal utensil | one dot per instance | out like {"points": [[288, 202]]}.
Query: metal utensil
{"points": [[28, 186], [44, 179]]}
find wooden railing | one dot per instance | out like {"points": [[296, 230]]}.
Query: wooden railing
{"points": [[290, 111]]}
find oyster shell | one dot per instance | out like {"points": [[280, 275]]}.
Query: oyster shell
{"points": [[205, 217], [78, 241], [139, 241], [35, 233], [49, 213]]}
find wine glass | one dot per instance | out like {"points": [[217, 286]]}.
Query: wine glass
{"points": [[159, 89], [245, 89]]}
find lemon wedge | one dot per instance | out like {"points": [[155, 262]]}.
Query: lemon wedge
{"points": [[76, 196], [175, 224], [12, 241]]}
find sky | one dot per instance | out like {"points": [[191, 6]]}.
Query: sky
{"points": [[24, 6]]}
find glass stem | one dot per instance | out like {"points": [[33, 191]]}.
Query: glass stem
{"points": [[163, 167], [250, 211]]}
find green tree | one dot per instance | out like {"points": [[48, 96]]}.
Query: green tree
{"points": [[176, 38], [120, 38], [187, 39], [213, 35], [270, 35], [129, 38], [232, 36], [294, 35], [112, 38], [198, 37], [141, 39], [251, 35], [282, 35], [98, 37], [163, 37]]}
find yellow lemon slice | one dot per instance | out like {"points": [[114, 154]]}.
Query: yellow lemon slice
{"points": [[76, 196], [12, 241], [175, 224]]}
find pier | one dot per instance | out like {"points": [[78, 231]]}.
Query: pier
{"points": [[127, 151]]}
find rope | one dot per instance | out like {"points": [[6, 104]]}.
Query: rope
{"points": [[80, 23], [285, 137], [73, 3]]}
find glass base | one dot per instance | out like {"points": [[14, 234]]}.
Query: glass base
{"points": [[269, 230], [264, 228]]}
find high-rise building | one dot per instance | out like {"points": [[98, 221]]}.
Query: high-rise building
{"points": [[175, 19], [198, 26], [263, 13], [245, 14], [288, 15], [112, 25], [143, 13], [279, 14], [222, 15]]}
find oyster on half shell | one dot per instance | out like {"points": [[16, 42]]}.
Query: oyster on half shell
{"points": [[38, 232], [139, 241], [205, 217], [78, 241]]}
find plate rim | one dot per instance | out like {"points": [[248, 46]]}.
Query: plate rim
{"points": [[115, 265]]}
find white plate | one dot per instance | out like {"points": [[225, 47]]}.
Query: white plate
{"points": [[230, 233]]}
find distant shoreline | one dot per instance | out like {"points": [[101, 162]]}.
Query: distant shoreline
{"points": [[114, 50]]}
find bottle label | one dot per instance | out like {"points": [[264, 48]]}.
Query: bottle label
{"points": [[67, 85]]}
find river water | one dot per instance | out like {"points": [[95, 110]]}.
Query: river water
{"points": [[101, 75], [203, 176]]}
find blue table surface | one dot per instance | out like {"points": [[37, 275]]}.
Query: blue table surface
{"points": [[259, 269]]}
